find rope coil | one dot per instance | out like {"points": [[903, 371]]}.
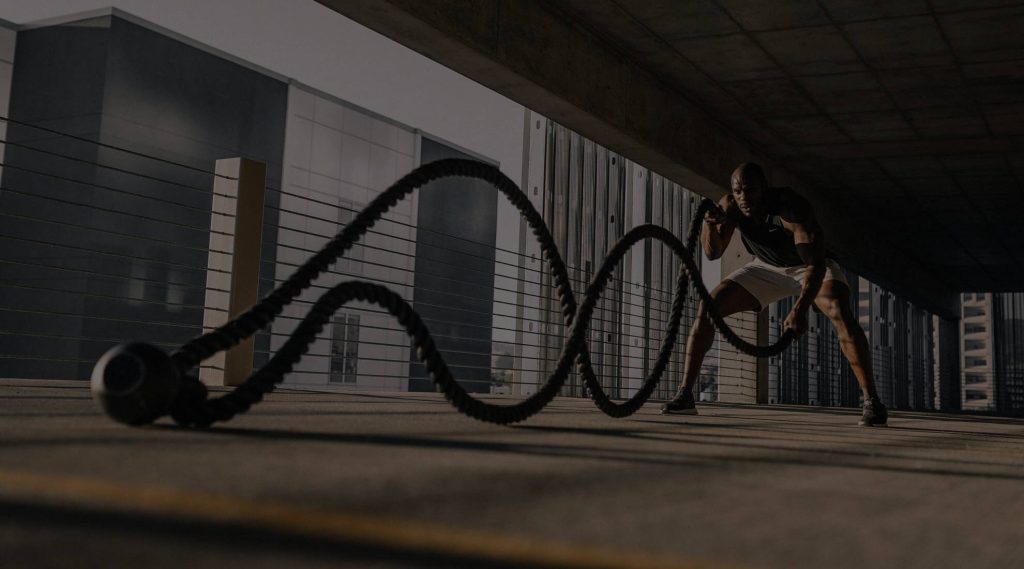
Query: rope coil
{"points": [[193, 407]]}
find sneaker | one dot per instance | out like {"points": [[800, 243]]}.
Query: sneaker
{"points": [[875, 414], [683, 404]]}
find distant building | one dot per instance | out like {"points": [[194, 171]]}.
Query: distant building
{"points": [[977, 358], [103, 245], [1008, 320]]}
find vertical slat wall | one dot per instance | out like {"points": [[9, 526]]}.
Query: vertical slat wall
{"points": [[592, 197], [814, 371]]}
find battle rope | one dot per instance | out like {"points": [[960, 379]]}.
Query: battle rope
{"points": [[120, 376]]}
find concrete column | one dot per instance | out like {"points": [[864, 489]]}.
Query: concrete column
{"points": [[232, 278]]}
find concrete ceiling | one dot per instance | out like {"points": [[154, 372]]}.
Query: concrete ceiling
{"points": [[911, 112], [901, 120]]}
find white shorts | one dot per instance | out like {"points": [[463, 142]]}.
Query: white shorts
{"points": [[768, 283]]}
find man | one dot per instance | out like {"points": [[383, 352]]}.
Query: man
{"points": [[778, 227]]}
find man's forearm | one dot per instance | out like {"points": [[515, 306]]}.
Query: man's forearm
{"points": [[711, 241]]}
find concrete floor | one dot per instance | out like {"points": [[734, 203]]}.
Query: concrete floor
{"points": [[400, 480]]}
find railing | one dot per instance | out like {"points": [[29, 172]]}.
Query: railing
{"points": [[102, 244]]}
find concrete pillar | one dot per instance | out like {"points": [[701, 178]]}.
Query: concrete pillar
{"points": [[232, 277]]}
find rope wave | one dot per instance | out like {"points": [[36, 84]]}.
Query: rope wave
{"points": [[193, 407]]}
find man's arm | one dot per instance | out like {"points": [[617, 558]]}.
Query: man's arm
{"points": [[718, 229], [810, 245]]}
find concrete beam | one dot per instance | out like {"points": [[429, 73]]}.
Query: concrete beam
{"points": [[537, 56], [982, 145]]}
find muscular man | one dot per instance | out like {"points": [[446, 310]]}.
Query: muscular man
{"points": [[778, 226]]}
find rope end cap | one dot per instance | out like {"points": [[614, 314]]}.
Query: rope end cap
{"points": [[135, 383]]}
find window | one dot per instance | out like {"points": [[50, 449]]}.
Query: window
{"points": [[973, 395], [974, 378], [349, 264], [344, 348], [975, 362], [974, 345], [973, 328], [973, 311]]}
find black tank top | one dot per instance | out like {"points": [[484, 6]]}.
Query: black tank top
{"points": [[766, 238]]}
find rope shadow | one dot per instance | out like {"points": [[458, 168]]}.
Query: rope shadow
{"points": [[734, 443], [615, 455]]}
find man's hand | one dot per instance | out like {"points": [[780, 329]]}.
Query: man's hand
{"points": [[718, 228], [715, 216], [797, 322]]}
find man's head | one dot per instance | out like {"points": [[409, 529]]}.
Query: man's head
{"points": [[748, 188]]}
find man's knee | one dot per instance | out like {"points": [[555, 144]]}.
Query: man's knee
{"points": [[702, 323], [833, 310], [842, 318]]}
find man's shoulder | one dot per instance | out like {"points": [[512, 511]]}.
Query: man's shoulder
{"points": [[792, 206]]}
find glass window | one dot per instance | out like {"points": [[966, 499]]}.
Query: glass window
{"points": [[973, 395], [349, 264], [344, 348]]}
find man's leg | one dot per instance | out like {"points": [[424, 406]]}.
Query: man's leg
{"points": [[833, 301], [730, 298]]}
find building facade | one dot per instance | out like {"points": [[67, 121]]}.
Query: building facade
{"points": [[993, 352], [977, 360], [99, 243], [112, 224], [1008, 333], [591, 198]]}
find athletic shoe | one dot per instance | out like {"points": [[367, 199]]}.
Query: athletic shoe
{"points": [[683, 404], [875, 414]]}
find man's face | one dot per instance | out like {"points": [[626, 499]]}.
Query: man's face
{"points": [[747, 191]]}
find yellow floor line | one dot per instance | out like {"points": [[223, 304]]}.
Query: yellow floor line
{"points": [[350, 528]]}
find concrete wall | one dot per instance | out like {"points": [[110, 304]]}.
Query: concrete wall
{"points": [[338, 158]]}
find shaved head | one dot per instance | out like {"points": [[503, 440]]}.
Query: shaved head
{"points": [[750, 173]]}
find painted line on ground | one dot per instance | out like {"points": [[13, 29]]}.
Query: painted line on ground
{"points": [[360, 529]]}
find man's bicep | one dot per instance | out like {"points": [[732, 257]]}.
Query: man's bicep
{"points": [[804, 233], [810, 244]]}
